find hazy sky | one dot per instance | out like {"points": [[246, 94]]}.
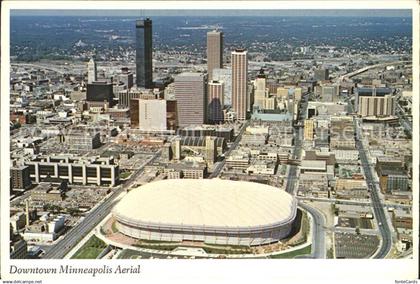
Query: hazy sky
{"points": [[137, 13]]}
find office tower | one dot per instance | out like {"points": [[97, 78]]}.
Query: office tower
{"points": [[190, 93], [321, 74], [134, 112], [144, 75], [239, 83], [211, 150], [125, 96], [126, 77], [329, 93], [297, 94], [215, 101], [308, 133], [378, 102], [177, 149], [152, 114], [270, 103], [167, 152], [92, 71], [100, 92], [225, 76], [20, 177], [171, 115], [214, 52], [261, 91], [282, 93]]}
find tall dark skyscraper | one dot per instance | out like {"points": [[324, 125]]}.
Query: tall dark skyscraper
{"points": [[144, 75]]}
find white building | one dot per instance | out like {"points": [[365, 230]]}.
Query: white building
{"points": [[92, 71], [152, 115], [352, 155]]}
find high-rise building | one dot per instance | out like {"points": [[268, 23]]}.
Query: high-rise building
{"points": [[261, 92], [177, 150], [283, 93], [167, 152], [375, 102], [144, 75], [134, 112], [100, 91], [329, 93], [20, 177], [239, 83], [225, 76], [125, 96], [92, 71], [214, 52], [152, 114], [308, 133], [126, 77], [171, 115], [297, 94], [211, 150], [190, 93], [321, 74], [215, 101]]}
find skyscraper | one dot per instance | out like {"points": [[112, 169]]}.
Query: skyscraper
{"points": [[215, 101], [225, 76], [261, 91], [151, 114], [214, 52], [144, 75], [190, 93], [92, 71], [321, 74], [239, 82]]}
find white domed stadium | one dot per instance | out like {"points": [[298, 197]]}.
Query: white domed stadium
{"points": [[213, 211]]}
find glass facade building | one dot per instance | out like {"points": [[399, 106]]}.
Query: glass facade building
{"points": [[144, 75]]}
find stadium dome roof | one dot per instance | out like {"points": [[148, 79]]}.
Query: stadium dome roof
{"points": [[207, 202]]}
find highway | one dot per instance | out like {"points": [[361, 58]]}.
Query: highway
{"points": [[352, 202], [221, 164], [378, 207], [318, 235], [40, 66], [59, 250], [366, 68]]}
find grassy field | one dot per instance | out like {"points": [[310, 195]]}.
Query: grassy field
{"points": [[292, 254], [125, 175], [114, 228], [91, 249]]}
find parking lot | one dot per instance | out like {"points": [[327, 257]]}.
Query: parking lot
{"points": [[349, 245]]}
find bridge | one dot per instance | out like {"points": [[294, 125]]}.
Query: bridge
{"points": [[364, 69]]}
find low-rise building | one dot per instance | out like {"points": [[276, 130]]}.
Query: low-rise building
{"points": [[73, 169]]}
